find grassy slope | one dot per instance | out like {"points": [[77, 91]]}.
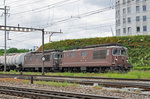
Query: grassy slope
{"points": [[132, 74], [138, 46]]}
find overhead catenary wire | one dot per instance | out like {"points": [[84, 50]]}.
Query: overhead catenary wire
{"points": [[85, 14], [16, 1], [78, 16], [26, 4], [61, 22], [48, 7], [67, 19], [42, 8]]}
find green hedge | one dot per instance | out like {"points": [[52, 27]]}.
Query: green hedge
{"points": [[142, 68], [138, 46]]}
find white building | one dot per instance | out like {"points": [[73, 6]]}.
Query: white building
{"points": [[132, 17]]}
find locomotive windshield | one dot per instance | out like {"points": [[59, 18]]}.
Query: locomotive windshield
{"points": [[120, 52], [116, 52], [58, 56]]}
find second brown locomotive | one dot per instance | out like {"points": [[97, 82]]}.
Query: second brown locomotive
{"points": [[96, 58]]}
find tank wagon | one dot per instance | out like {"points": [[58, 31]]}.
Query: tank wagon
{"points": [[95, 58], [13, 61]]}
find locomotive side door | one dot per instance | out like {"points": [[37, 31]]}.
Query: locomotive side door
{"points": [[57, 61]]}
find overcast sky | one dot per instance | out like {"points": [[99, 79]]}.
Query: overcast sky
{"points": [[73, 17]]}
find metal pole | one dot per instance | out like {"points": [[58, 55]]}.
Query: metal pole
{"points": [[5, 41], [50, 38], [43, 52], [4, 2], [31, 80]]}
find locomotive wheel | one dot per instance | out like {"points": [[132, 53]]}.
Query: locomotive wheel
{"points": [[127, 70], [90, 70], [65, 70], [122, 70], [96, 70], [107, 70], [75, 70], [111, 69]]}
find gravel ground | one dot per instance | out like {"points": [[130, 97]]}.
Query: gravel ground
{"points": [[79, 89], [100, 80], [2, 96]]}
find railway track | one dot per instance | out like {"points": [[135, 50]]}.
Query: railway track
{"points": [[108, 82], [44, 94], [13, 75]]}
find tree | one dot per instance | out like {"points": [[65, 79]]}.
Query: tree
{"points": [[12, 50]]}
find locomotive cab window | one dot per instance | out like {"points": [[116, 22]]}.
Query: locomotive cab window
{"points": [[72, 54], [108, 51], [58, 56], [116, 52], [50, 56], [64, 55], [47, 58], [124, 52], [83, 53]]}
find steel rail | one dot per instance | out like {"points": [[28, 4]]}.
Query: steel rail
{"points": [[104, 83], [105, 78], [45, 94]]}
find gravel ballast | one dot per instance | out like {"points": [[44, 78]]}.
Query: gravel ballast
{"points": [[78, 89]]}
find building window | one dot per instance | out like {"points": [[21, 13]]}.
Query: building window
{"points": [[72, 54], [129, 10], [129, 20], [83, 54], [144, 7], [137, 8], [137, 18], [144, 18], [118, 32], [124, 1], [118, 13], [129, 1], [124, 20], [118, 22], [124, 11], [124, 30], [144, 28], [138, 29], [129, 30], [137, 0]]}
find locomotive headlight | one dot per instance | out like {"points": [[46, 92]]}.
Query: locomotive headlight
{"points": [[127, 60], [116, 59]]}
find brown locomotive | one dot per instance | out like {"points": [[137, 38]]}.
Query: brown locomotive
{"points": [[96, 58]]}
